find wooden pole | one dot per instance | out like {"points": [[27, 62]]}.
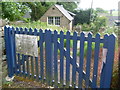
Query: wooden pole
{"points": [[119, 45]]}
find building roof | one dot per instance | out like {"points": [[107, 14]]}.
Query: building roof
{"points": [[65, 12], [71, 13]]}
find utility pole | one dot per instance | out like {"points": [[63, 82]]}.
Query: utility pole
{"points": [[119, 45], [91, 11], [118, 86]]}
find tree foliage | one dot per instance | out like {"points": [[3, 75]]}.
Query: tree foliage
{"points": [[96, 25], [71, 6], [13, 10], [82, 16], [90, 21], [38, 9], [16, 10]]}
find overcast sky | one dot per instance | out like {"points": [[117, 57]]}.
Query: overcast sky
{"points": [[105, 4]]}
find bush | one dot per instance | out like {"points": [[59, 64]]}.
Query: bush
{"points": [[95, 26], [111, 30]]}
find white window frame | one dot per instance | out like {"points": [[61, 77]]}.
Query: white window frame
{"points": [[54, 20], [48, 23]]}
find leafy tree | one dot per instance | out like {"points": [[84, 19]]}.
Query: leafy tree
{"points": [[71, 6], [96, 25], [16, 10], [82, 16], [13, 10], [0, 9], [38, 9]]}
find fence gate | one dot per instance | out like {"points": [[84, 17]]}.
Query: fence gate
{"points": [[61, 60]]}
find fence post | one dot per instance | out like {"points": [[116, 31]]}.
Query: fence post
{"points": [[48, 51], [106, 74], [10, 53], [109, 61]]}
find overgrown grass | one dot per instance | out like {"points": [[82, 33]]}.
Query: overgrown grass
{"points": [[38, 25], [86, 47]]}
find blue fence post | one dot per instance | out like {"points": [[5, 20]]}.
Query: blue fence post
{"points": [[14, 50], [48, 51], [89, 54], [68, 59], [61, 56], [74, 58], [81, 61], [102, 77], [109, 61], [41, 54], [9, 45], [96, 58], [55, 58]]}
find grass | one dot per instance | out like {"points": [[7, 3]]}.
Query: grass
{"points": [[21, 82], [38, 25]]}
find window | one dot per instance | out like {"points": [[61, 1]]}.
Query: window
{"points": [[50, 20], [57, 20], [54, 21]]}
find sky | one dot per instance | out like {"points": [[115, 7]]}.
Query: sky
{"points": [[105, 4]]}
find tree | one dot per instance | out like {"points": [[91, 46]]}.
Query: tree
{"points": [[0, 9], [82, 16], [13, 10], [38, 9], [71, 6], [98, 23]]}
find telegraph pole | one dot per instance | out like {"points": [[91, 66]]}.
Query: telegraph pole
{"points": [[119, 45], [91, 11]]}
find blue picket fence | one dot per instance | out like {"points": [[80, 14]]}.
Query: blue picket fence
{"points": [[53, 66]]}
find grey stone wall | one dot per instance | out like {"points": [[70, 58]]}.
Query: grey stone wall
{"points": [[3, 65]]}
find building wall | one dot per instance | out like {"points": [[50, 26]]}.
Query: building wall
{"points": [[64, 22]]}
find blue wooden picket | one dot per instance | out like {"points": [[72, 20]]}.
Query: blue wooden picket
{"points": [[102, 78], [41, 55], [68, 58], [48, 51], [61, 56], [45, 66], [55, 58], [96, 58], [82, 39], [89, 52], [74, 58]]}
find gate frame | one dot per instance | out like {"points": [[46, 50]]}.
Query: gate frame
{"points": [[106, 74]]}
